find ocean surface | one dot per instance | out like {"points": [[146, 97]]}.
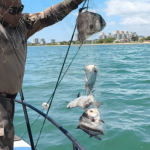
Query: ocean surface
{"points": [[122, 86]]}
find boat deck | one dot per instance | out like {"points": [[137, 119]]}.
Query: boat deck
{"points": [[20, 144]]}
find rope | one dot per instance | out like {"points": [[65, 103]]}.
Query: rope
{"points": [[53, 93], [51, 98], [87, 4], [58, 81]]}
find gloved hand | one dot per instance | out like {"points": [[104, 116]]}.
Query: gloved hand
{"points": [[73, 3], [78, 2]]}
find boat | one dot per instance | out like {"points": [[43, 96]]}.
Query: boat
{"points": [[20, 144]]}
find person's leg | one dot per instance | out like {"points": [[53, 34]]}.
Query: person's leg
{"points": [[6, 124]]}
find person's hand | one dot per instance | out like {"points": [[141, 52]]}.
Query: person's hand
{"points": [[78, 1]]}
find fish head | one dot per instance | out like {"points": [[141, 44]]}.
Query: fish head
{"points": [[89, 23], [92, 112], [95, 69], [91, 68]]}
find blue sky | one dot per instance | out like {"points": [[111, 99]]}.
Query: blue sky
{"points": [[123, 15]]}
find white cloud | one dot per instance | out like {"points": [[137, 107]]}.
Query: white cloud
{"points": [[134, 21], [126, 8], [132, 12]]}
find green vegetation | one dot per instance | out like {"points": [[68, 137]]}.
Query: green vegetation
{"points": [[148, 38], [145, 39], [108, 40], [136, 38], [64, 43]]}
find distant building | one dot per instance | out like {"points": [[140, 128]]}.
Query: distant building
{"points": [[36, 41], [52, 40], [120, 36], [115, 35], [140, 38], [116, 32], [102, 36], [109, 35], [42, 41], [76, 37], [124, 36]]}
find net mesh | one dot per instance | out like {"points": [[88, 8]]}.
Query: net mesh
{"points": [[10, 44]]}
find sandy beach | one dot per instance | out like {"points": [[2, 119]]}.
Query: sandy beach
{"points": [[96, 44]]}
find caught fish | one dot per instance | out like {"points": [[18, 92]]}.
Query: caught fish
{"points": [[90, 123], [89, 23], [45, 106], [84, 102], [90, 77]]}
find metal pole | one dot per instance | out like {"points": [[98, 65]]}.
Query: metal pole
{"points": [[74, 147], [27, 121], [70, 137]]}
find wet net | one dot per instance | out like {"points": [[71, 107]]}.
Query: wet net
{"points": [[13, 41]]}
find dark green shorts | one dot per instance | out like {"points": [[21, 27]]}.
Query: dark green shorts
{"points": [[6, 123]]}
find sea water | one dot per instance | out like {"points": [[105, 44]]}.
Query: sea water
{"points": [[122, 86]]}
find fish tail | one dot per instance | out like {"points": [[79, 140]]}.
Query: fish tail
{"points": [[96, 104], [101, 121], [78, 127]]}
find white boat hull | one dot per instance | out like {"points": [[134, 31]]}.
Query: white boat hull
{"points": [[20, 144]]}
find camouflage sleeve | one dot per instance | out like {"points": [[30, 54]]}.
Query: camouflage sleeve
{"points": [[50, 16]]}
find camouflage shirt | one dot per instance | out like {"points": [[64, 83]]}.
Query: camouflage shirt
{"points": [[13, 42]]}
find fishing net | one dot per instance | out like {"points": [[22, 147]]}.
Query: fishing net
{"points": [[13, 47]]}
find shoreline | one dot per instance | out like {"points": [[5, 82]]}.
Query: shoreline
{"points": [[94, 44]]}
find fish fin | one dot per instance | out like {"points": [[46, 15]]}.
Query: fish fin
{"points": [[101, 121], [91, 136], [79, 94], [97, 137], [101, 132], [96, 104], [78, 127]]}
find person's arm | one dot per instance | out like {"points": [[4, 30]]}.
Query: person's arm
{"points": [[50, 16]]}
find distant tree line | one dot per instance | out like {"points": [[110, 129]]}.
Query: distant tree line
{"points": [[145, 39], [98, 41]]}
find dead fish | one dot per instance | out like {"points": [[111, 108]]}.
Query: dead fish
{"points": [[90, 77], [90, 123], [84, 102], [89, 23], [45, 106]]}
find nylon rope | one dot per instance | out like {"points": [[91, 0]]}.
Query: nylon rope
{"points": [[58, 84], [58, 81]]}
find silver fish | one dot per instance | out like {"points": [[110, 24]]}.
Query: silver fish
{"points": [[84, 102], [90, 77], [89, 23], [90, 123]]}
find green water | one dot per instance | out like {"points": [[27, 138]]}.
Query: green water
{"points": [[122, 86]]}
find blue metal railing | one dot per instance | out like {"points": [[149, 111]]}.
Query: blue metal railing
{"points": [[76, 144]]}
